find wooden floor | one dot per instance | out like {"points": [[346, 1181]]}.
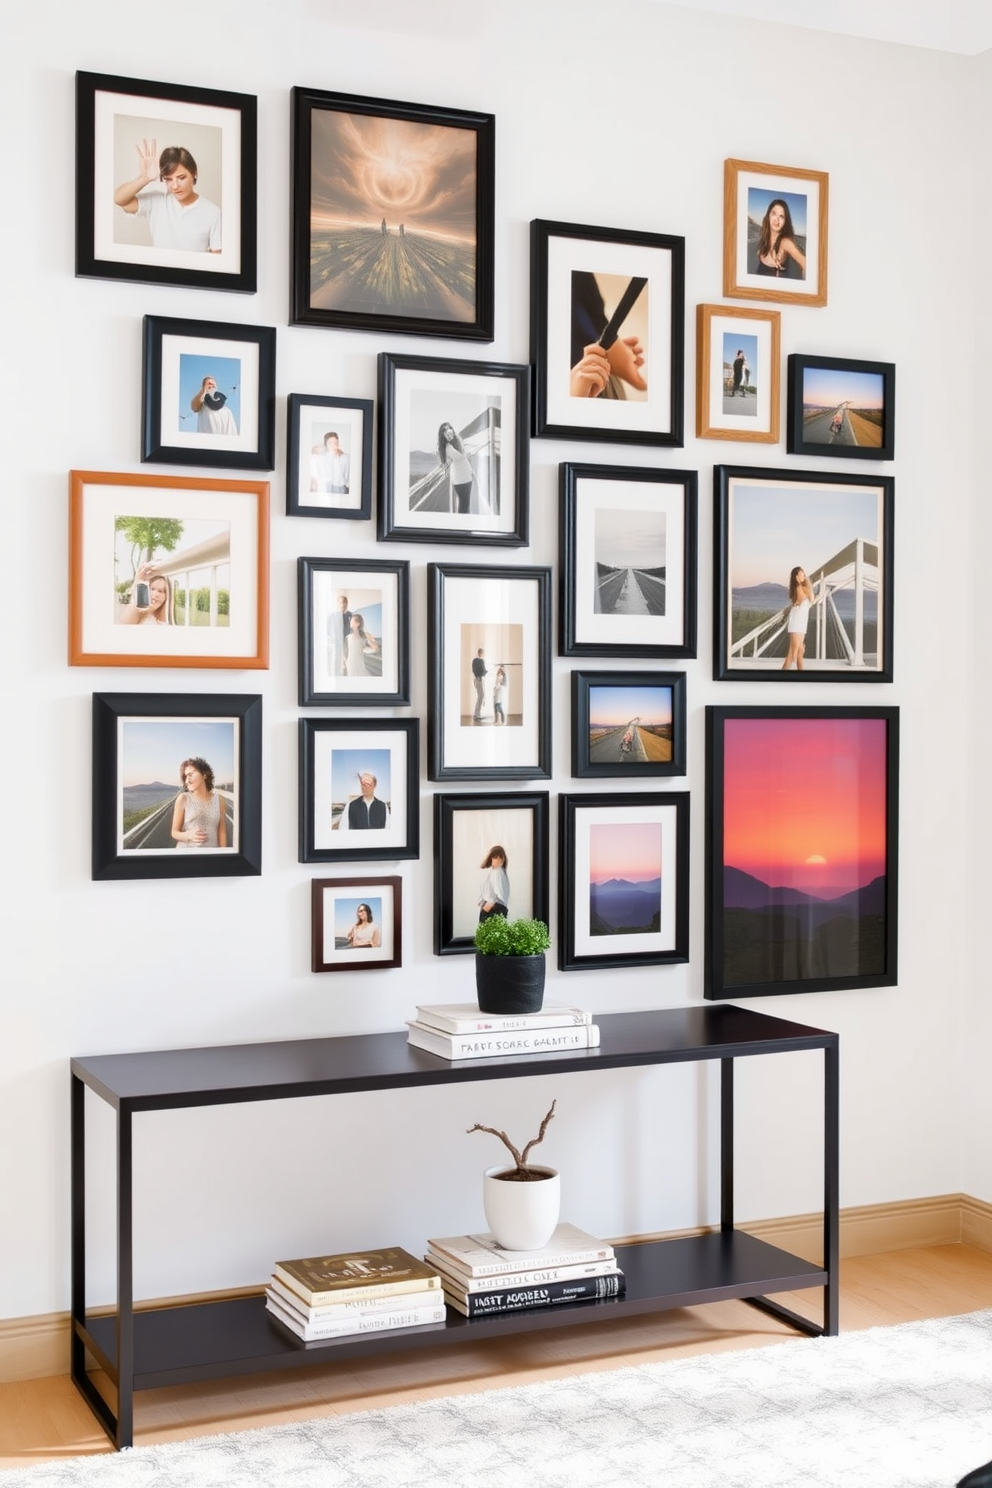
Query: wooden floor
{"points": [[42, 1420]]}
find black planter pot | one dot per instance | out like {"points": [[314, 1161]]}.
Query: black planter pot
{"points": [[509, 984]]}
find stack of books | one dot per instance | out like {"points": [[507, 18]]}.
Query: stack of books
{"points": [[333, 1296], [458, 1030], [480, 1278]]}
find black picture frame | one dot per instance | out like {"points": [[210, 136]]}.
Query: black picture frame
{"points": [[841, 408], [765, 521], [153, 729], [418, 496], [628, 725], [221, 131], [333, 752], [584, 290], [465, 742], [177, 355], [438, 272], [332, 900], [309, 420], [596, 618], [481, 821], [325, 677], [802, 822], [647, 925]]}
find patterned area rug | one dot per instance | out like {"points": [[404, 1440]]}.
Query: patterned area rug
{"points": [[906, 1407]]}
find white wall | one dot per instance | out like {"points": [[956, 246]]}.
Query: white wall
{"points": [[616, 116]]}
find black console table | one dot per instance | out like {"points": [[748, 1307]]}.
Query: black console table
{"points": [[143, 1349]]}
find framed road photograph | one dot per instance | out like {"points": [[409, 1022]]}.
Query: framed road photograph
{"points": [[168, 571], [842, 408], [208, 394], [623, 880], [627, 543], [629, 724], [738, 373], [488, 845], [803, 584], [489, 674], [453, 463], [329, 457], [177, 785], [607, 313], [359, 789], [356, 924], [774, 233], [802, 820], [392, 216], [354, 637], [166, 189]]}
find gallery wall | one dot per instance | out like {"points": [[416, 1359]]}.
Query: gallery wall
{"points": [[618, 117]]}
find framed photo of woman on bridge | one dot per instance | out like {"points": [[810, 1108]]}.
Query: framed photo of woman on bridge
{"points": [[627, 542], [803, 580], [453, 443], [841, 408], [628, 724], [393, 212]]}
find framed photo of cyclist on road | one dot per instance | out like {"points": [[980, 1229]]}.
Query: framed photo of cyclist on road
{"points": [[628, 724], [841, 408]]}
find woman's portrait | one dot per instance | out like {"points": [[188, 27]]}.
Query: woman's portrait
{"points": [[161, 192], [494, 891], [172, 571], [356, 924], [199, 817], [364, 933], [776, 233]]}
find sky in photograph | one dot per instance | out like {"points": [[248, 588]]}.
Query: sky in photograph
{"points": [[195, 531], [346, 912], [193, 368], [805, 801], [153, 749], [629, 539], [614, 705], [774, 527], [759, 197], [825, 388], [631, 850], [348, 764]]}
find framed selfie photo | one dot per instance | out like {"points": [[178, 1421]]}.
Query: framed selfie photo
{"points": [[329, 457], [841, 408], [803, 583], [166, 188], [168, 571], [607, 333], [490, 857], [356, 924], [627, 543], [629, 724], [177, 785], [802, 817], [738, 373], [453, 448], [354, 637], [623, 880], [489, 676], [774, 233], [208, 394], [359, 789], [393, 210]]}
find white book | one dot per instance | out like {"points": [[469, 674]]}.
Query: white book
{"points": [[293, 1303], [537, 1276], [494, 1045], [346, 1327], [482, 1255], [465, 1017]]}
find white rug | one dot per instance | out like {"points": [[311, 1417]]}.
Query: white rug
{"points": [[906, 1407]]}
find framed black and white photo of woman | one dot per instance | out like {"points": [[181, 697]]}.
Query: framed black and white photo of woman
{"points": [[453, 443], [166, 189], [489, 674], [774, 233], [490, 857], [359, 789], [607, 333], [329, 457], [354, 640]]}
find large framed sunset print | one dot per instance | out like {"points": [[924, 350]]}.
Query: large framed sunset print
{"points": [[802, 828]]}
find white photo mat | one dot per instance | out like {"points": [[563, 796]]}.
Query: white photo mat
{"points": [[762, 375], [192, 736], [664, 498], [477, 604], [175, 419], [666, 818], [342, 899], [354, 583], [316, 420], [784, 186], [325, 743]]}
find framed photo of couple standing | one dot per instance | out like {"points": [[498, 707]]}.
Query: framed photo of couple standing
{"points": [[354, 642]]}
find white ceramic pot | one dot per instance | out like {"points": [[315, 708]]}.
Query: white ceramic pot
{"points": [[522, 1216]]}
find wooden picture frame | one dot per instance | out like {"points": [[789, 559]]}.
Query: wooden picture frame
{"points": [[793, 269], [329, 457], [335, 755], [466, 829], [354, 637], [841, 408], [212, 136], [628, 724], [361, 262], [140, 740], [738, 373], [199, 545], [356, 924], [802, 816]]}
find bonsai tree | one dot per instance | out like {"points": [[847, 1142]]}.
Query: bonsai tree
{"points": [[521, 1173], [499, 936]]}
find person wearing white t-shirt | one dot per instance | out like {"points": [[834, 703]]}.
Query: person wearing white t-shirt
{"points": [[212, 413], [164, 194], [330, 469]]}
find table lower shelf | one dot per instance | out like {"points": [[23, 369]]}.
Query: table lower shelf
{"points": [[211, 1340]]}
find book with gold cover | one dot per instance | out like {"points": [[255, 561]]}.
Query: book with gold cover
{"points": [[318, 1280]]}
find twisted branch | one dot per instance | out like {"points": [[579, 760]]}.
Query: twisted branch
{"points": [[519, 1158]]}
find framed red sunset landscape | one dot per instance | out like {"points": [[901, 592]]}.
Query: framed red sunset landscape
{"points": [[802, 837]]}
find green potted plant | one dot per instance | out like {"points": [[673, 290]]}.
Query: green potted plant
{"points": [[522, 1202], [509, 964]]}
